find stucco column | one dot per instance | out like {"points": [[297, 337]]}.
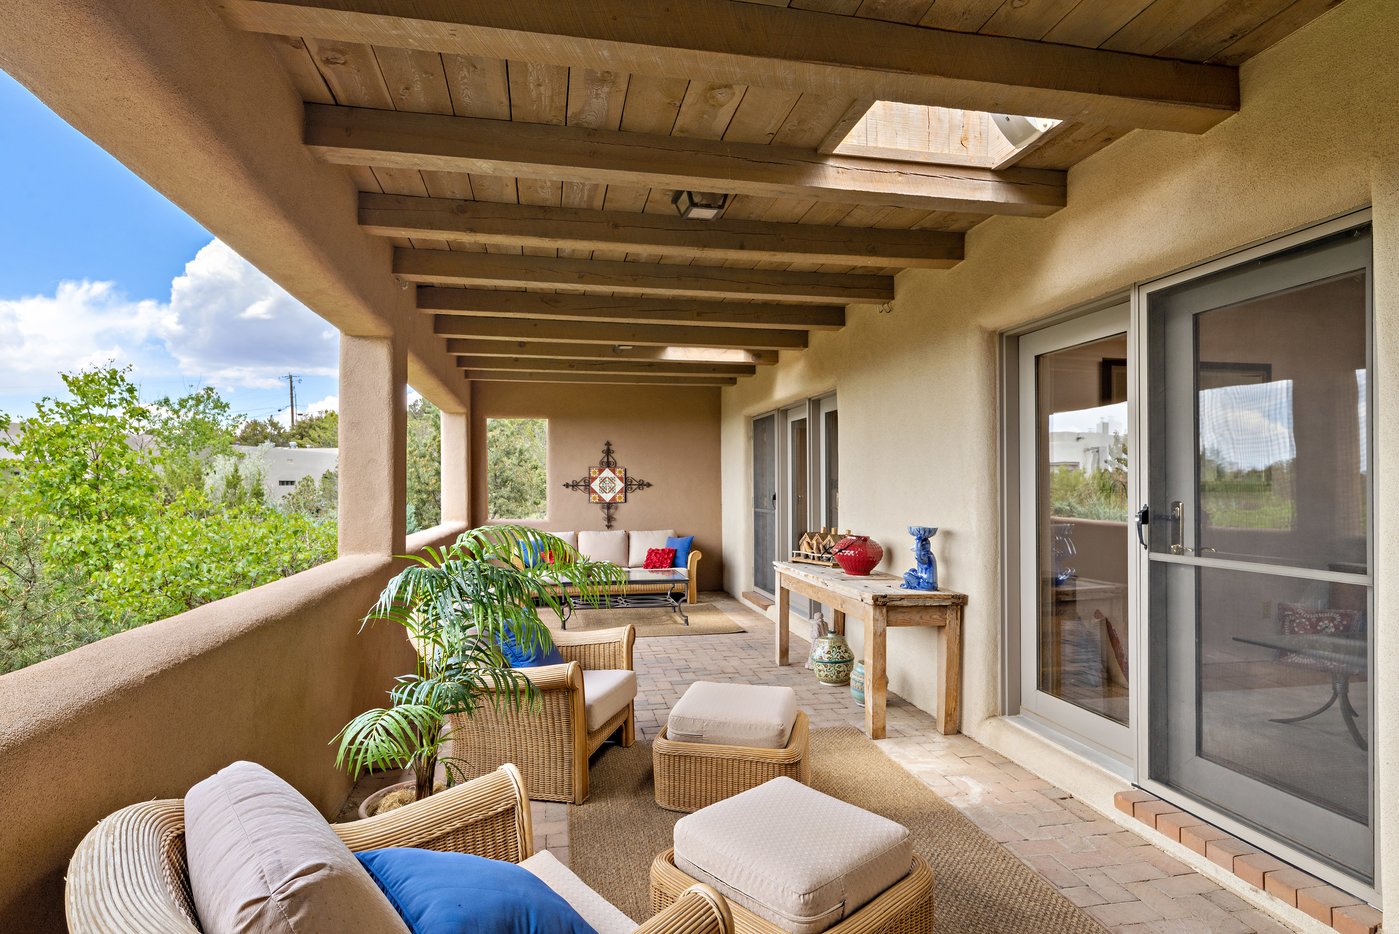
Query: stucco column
{"points": [[456, 467], [373, 445]]}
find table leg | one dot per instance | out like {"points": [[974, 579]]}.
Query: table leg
{"points": [[950, 710], [838, 622], [784, 621], [876, 678]]}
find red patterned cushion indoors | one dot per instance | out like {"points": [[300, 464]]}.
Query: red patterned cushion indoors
{"points": [[659, 559]]}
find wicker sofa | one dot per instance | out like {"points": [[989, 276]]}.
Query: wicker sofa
{"points": [[129, 875], [627, 549], [551, 743]]}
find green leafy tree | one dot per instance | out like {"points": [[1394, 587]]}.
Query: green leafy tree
{"points": [[264, 431], [316, 499], [87, 458], [424, 465], [517, 468], [117, 513], [315, 431], [189, 433]]}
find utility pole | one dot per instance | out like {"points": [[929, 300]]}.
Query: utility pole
{"points": [[292, 380]]}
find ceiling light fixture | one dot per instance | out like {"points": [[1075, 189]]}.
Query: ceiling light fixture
{"points": [[699, 205]]}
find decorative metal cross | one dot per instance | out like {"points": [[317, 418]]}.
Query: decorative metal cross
{"points": [[607, 484]]}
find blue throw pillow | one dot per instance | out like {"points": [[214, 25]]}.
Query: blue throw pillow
{"points": [[536, 657], [457, 893], [682, 548], [529, 552]]}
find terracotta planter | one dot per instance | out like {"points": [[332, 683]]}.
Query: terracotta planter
{"points": [[857, 555]]}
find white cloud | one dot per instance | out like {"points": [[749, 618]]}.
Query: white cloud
{"points": [[328, 404], [229, 323], [225, 323], [82, 324]]}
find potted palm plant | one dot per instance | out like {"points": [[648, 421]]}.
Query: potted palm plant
{"points": [[463, 607]]}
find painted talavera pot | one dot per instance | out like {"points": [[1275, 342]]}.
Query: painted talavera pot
{"points": [[857, 683], [832, 659], [857, 555]]}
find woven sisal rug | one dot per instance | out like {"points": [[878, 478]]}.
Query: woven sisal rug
{"points": [[705, 620], [979, 887]]}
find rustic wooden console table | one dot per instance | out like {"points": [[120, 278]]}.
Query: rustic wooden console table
{"points": [[880, 603]]}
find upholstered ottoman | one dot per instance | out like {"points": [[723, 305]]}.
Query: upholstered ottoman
{"points": [[721, 739], [791, 859]]}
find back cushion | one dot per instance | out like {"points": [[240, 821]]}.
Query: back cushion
{"points": [[642, 542], [262, 860], [605, 546]]}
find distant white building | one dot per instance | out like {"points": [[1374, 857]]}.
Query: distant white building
{"points": [[1088, 451], [283, 468]]}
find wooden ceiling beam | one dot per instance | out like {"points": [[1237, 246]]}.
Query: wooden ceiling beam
{"points": [[441, 143], [796, 50], [546, 376], [589, 332], [444, 267], [552, 306], [635, 367], [486, 223], [489, 347]]}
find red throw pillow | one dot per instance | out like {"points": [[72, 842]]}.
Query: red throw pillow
{"points": [[659, 559]]}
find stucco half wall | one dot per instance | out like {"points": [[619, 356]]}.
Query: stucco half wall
{"points": [[917, 384], [269, 675], [668, 435]]}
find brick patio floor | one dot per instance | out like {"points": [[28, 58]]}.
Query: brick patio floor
{"points": [[1115, 875]]}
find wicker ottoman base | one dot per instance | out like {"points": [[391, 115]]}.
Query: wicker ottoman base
{"points": [[690, 776], [904, 908]]}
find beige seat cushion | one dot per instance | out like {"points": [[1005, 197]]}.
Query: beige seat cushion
{"points": [[569, 538], [641, 542], [601, 914], [752, 715], [606, 692], [262, 859], [604, 546], [788, 853]]}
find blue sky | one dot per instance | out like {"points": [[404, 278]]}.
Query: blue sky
{"points": [[95, 265]]}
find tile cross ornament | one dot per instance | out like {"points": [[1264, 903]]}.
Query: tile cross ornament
{"points": [[607, 484]]}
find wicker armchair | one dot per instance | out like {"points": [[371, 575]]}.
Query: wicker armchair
{"points": [[551, 743], [129, 876]]}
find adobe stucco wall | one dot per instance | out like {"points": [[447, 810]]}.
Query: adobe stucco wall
{"points": [[668, 435], [917, 387], [269, 675]]}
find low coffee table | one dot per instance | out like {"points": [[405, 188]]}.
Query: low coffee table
{"points": [[665, 587]]}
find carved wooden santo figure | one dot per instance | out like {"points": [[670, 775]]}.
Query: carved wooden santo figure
{"points": [[607, 484]]}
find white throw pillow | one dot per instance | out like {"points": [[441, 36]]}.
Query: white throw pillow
{"points": [[262, 860], [604, 546], [641, 542]]}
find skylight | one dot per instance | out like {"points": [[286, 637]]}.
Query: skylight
{"points": [[916, 132]]}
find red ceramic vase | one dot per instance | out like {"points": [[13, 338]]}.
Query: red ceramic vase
{"points": [[857, 555]]}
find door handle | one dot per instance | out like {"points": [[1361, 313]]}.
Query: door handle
{"points": [[1178, 528], [1143, 524]]}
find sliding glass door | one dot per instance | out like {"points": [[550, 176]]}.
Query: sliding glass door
{"points": [[765, 503], [1258, 546], [1074, 532]]}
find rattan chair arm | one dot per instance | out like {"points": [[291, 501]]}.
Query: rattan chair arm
{"points": [[122, 879], [699, 910], [448, 812], [692, 587], [600, 650]]}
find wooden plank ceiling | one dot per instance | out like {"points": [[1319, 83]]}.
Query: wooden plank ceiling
{"points": [[521, 156]]}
